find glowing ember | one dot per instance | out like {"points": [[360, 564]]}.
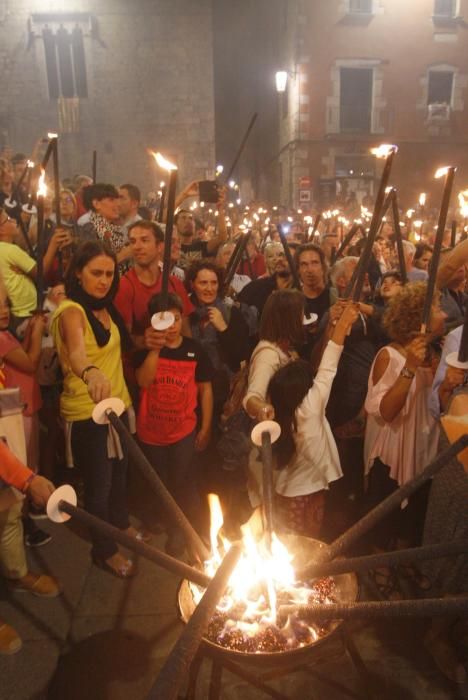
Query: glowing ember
{"points": [[246, 616]]}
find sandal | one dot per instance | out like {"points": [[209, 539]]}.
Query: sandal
{"points": [[386, 584], [414, 575], [126, 569]]}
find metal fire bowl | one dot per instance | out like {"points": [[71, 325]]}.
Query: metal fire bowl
{"points": [[304, 550]]}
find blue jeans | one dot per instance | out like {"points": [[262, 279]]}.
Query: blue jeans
{"points": [[173, 464], [105, 481]]}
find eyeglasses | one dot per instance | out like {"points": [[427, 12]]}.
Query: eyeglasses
{"points": [[66, 200]]}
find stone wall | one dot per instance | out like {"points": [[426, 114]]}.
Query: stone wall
{"points": [[149, 67]]}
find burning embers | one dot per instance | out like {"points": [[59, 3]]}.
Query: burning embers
{"points": [[248, 618]]}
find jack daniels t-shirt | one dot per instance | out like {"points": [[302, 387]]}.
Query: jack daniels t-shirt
{"points": [[167, 411]]}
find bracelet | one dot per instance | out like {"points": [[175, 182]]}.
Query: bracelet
{"points": [[28, 481], [407, 373], [85, 372]]}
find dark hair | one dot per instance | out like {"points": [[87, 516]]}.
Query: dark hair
{"points": [[421, 248], [85, 252], [146, 213], [391, 273], [173, 302], [151, 226], [181, 211], [133, 192], [287, 389], [18, 158], [197, 267], [282, 317], [305, 248], [98, 191]]}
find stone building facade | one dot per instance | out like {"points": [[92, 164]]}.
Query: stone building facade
{"points": [[117, 76], [365, 72]]}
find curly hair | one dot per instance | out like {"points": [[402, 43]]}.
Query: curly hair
{"points": [[403, 316]]}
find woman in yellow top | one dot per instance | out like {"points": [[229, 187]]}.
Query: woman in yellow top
{"points": [[88, 334]]}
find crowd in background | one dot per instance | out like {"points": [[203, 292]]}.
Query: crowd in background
{"points": [[356, 387]]}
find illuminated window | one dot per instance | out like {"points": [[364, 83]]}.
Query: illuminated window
{"points": [[445, 8], [361, 7], [440, 87]]}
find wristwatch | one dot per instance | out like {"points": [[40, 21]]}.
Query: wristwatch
{"points": [[407, 373]]}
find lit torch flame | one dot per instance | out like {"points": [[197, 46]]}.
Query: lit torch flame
{"points": [[384, 150], [41, 185], [30, 164], [462, 199], [422, 199], [442, 171], [163, 163], [51, 135]]}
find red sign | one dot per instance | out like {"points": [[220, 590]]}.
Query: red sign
{"points": [[304, 183]]}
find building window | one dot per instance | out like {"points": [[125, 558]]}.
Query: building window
{"points": [[445, 8], [356, 99], [65, 62], [440, 87], [361, 7]]}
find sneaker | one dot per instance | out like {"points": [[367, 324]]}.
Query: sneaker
{"points": [[37, 584], [37, 538], [10, 642]]}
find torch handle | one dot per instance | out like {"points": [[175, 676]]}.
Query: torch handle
{"points": [[268, 486], [139, 459], [171, 564], [287, 252], [168, 238], [374, 561], [430, 607], [374, 226], [434, 265], [389, 504], [242, 146], [237, 258], [399, 238], [176, 667]]}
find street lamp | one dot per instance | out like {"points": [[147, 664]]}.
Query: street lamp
{"points": [[281, 79]]}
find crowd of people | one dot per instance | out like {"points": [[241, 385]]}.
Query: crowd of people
{"points": [[357, 389]]}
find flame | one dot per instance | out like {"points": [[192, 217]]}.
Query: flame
{"points": [[442, 171], [41, 185], [163, 163], [388, 190], [384, 150], [462, 199], [51, 135], [417, 223], [422, 199], [261, 575], [30, 164], [410, 213]]}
